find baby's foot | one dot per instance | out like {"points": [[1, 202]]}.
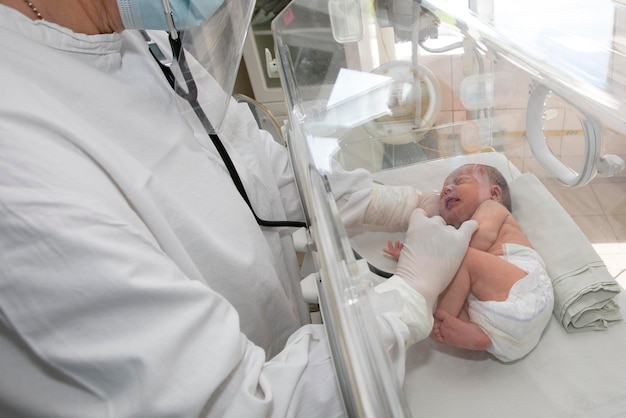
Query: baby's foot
{"points": [[435, 334], [452, 331]]}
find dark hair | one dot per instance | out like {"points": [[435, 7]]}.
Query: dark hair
{"points": [[496, 178]]}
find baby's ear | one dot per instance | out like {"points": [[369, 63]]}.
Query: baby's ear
{"points": [[496, 192]]}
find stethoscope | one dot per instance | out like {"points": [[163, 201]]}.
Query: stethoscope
{"points": [[191, 96]]}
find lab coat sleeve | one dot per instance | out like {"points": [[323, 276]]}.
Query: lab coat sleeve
{"points": [[283, 173], [362, 201], [413, 312], [359, 200], [96, 318]]}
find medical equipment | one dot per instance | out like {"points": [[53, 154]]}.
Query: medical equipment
{"points": [[546, 94], [138, 14]]}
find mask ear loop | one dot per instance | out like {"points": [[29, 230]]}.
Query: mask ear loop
{"points": [[191, 96]]}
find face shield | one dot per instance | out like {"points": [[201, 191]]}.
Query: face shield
{"points": [[211, 34]]}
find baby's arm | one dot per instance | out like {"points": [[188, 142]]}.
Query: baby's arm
{"points": [[490, 216], [394, 250]]}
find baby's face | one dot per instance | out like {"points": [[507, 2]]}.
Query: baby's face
{"points": [[462, 193]]}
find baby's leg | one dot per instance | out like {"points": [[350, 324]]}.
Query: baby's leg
{"points": [[453, 331], [453, 303], [453, 298], [489, 277]]}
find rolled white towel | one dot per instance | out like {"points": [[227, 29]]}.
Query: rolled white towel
{"points": [[583, 288]]}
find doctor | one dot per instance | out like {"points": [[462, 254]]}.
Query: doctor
{"points": [[134, 279]]}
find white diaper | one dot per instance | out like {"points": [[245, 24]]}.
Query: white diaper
{"points": [[515, 325]]}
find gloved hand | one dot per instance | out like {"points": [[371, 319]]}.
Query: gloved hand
{"points": [[432, 254], [429, 260]]}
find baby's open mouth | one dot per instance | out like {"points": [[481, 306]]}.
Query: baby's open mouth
{"points": [[450, 202]]}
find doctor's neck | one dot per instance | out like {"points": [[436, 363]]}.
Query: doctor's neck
{"points": [[90, 17]]}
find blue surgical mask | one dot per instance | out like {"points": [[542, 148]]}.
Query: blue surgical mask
{"points": [[150, 14]]}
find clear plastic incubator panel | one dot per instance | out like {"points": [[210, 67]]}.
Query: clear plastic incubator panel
{"points": [[408, 90]]}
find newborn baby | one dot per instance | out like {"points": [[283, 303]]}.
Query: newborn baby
{"points": [[501, 298]]}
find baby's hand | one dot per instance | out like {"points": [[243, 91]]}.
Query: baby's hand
{"points": [[394, 250]]}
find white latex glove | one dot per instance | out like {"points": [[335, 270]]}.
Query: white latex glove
{"points": [[432, 253], [393, 205]]}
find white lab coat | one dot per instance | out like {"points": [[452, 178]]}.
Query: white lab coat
{"points": [[134, 280]]}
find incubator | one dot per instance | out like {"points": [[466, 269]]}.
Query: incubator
{"points": [[410, 90]]}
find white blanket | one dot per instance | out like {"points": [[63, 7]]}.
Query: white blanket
{"points": [[568, 375]]}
